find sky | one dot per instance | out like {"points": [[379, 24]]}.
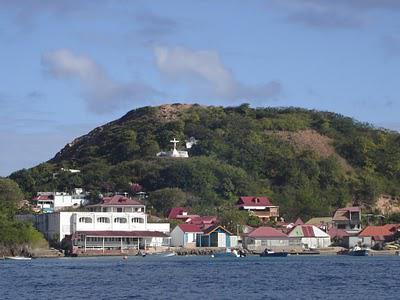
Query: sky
{"points": [[69, 66]]}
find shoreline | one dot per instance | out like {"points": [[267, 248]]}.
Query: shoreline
{"points": [[205, 252]]}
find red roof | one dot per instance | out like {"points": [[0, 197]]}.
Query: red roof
{"points": [[340, 233], [122, 233], [262, 232], [308, 230], [202, 220], [392, 227], [299, 221], [189, 228], [375, 231], [119, 200], [43, 198], [254, 201], [351, 208], [175, 211]]}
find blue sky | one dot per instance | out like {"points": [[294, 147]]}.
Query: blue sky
{"points": [[69, 66]]}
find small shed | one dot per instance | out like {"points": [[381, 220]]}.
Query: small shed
{"points": [[215, 236], [185, 235]]}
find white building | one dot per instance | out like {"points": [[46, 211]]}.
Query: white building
{"points": [[55, 201], [116, 222], [185, 235], [309, 237]]}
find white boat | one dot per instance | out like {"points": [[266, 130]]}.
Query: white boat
{"points": [[18, 258], [229, 253], [169, 254]]}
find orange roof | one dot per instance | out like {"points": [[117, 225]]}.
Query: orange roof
{"points": [[375, 231]]}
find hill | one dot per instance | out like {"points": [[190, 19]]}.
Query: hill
{"points": [[309, 162]]}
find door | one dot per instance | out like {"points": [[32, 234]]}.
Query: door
{"points": [[221, 239]]}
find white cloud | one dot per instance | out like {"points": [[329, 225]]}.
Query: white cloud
{"points": [[102, 93], [205, 72]]}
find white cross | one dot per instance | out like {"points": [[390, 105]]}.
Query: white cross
{"points": [[174, 141]]}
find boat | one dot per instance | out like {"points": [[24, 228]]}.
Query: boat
{"points": [[229, 253], [18, 258], [309, 252], [270, 253], [356, 251], [165, 254]]}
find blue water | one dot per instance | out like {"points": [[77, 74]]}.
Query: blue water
{"points": [[202, 277]]}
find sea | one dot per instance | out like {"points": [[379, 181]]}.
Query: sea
{"points": [[202, 277]]}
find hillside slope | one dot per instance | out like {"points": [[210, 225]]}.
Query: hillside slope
{"points": [[309, 162]]}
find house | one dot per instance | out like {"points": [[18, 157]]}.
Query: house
{"points": [[265, 237], [216, 236], [309, 237], [260, 207], [185, 235], [324, 223], [116, 222], [373, 235], [55, 201], [348, 218], [202, 222], [341, 237], [180, 213]]}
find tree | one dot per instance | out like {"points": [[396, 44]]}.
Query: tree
{"points": [[10, 195], [163, 200]]}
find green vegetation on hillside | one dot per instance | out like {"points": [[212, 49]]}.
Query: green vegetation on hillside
{"points": [[240, 152], [14, 233]]}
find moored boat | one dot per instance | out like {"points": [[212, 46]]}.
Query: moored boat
{"points": [[270, 253], [229, 253], [18, 258], [356, 251]]}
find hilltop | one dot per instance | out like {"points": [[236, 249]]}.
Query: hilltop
{"points": [[309, 162]]}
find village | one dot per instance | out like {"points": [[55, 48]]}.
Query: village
{"points": [[119, 225]]}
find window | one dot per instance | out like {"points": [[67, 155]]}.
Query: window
{"points": [[103, 220], [119, 209], [120, 220], [85, 220], [137, 220]]}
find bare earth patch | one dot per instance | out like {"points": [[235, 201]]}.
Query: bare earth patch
{"points": [[170, 112], [387, 205], [310, 139]]}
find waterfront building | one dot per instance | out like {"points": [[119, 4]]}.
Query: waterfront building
{"points": [[372, 236], [216, 236], [116, 222], [309, 237], [185, 235], [265, 237], [260, 207], [348, 219]]}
